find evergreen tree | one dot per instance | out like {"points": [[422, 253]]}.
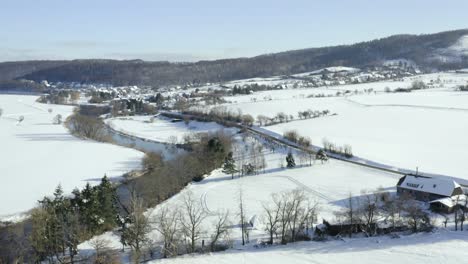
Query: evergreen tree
{"points": [[107, 198], [56, 228], [89, 209], [290, 161], [229, 166]]}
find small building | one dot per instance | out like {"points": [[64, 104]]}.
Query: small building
{"points": [[448, 205], [428, 189]]}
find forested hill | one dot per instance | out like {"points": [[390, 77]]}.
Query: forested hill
{"points": [[440, 51]]}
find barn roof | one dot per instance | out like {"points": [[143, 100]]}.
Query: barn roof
{"points": [[450, 201], [438, 186]]}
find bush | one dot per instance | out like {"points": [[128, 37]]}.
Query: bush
{"points": [[418, 85], [291, 135]]}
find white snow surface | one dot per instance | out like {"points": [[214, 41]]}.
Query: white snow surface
{"points": [[37, 155], [425, 248], [405, 130], [161, 129]]}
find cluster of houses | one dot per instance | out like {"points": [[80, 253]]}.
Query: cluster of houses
{"points": [[443, 194]]}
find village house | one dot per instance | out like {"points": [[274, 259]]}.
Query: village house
{"points": [[428, 189]]}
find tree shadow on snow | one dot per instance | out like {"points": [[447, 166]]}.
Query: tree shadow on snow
{"points": [[47, 137]]}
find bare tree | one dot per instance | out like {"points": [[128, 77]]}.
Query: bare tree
{"points": [[285, 216], [311, 157], [104, 254], [221, 229], [242, 217], [303, 157], [272, 217], [240, 155], [390, 209], [297, 211], [463, 211], [368, 212], [256, 156], [167, 224], [136, 234], [414, 215], [349, 215], [191, 219], [310, 215]]}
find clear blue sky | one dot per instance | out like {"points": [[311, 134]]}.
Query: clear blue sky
{"points": [[179, 30]]}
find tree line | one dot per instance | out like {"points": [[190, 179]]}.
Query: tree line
{"points": [[60, 223]]}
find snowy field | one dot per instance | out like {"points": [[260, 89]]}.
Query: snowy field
{"points": [[161, 129], [425, 129], [423, 99], [328, 184], [37, 155], [428, 248]]}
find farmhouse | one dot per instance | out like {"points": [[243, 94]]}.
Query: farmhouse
{"points": [[428, 189]]}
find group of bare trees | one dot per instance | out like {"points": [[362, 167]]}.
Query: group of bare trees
{"points": [[345, 150], [60, 96], [249, 158], [282, 117], [178, 229], [366, 213], [309, 113], [290, 216], [181, 229], [293, 136], [460, 211], [87, 127]]}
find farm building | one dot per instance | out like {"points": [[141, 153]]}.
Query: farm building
{"points": [[449, 204], [428, 189]]}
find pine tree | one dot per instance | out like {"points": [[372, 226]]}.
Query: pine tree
{"points": [[89, 209], [290, 161], [229, 166], [56, 228], [107, 204]]}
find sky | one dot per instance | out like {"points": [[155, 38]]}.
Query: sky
{"points": [[194, 30]]}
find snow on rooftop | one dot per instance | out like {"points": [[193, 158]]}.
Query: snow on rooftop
{"points": [[438, 186], [451, 201]]}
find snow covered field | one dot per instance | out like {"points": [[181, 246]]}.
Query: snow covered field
{"points": [[161, 129], [424, 129], [328, 184], [428, 248], [423, 99], [37, 155]]}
